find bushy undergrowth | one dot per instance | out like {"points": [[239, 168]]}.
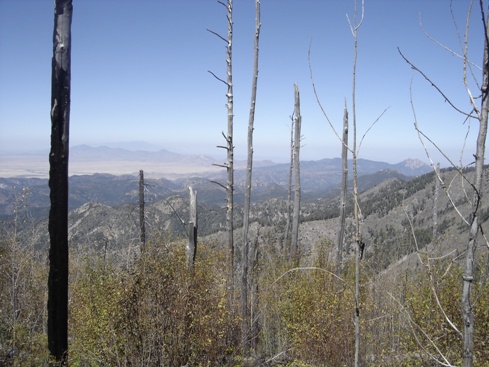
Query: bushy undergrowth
{"points": [[156, 312]]}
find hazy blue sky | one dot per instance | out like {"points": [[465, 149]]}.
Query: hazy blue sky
{"points": [[140, 72]]}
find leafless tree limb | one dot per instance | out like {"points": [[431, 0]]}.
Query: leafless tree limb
{"points": [[220, 184], [217, 35], [412, 323], [370, 128], [317, 97], [445, 47], [436, 87], [215, 76], [421, 136]]}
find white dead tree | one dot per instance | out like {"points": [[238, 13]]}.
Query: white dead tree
{"points": [[479, 112], [289, 188], [229, 147], [344, 187], [354, 150], [294, 247], [247, 245]]}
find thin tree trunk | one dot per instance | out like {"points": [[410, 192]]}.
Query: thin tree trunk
{"points": [[289, 189], [58, 184], [359, 253], [192, 226], [344, 184], [435, 203], [245, 256], [467, 311], [297, 180], [356, 208], [230, 146], [142, 225]]}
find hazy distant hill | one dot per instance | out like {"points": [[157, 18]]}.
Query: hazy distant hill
{"points": [[82, 153], [86, 160], [325, 173], [320, 181]]}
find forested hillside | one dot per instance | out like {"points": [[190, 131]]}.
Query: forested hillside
{"points": [[129, 307]]}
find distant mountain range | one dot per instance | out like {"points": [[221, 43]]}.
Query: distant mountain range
{"points": [[319, 179], [87, 160]]}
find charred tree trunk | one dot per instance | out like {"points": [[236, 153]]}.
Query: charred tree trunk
{"points": [[297, 179], [142, 225], [245, 255], [191, 249], [344, 184], [58, 183]]}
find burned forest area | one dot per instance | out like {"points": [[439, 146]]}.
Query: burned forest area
{"points": [[115, 257]]}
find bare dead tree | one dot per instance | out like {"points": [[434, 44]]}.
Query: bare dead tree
{"points": [[192, 226], [289, 187], [297, 178], [344, 186], [58, 183], [229, 147], [354, 150], [480, 113], [142, 226], [474, 225], [356, 207], [246, 248]]}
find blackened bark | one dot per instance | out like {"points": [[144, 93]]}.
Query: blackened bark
{"points": [[142, 225], [58, 183], [191, 249]]}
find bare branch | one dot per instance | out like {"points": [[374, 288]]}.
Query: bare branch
{"points": [[225, 165], [225, 137], [354, 27], [422, 135], [220, 184], [178, 216], [446, 48], [435, 86], [317, 97], [411, 323], [215, 76], [217, 35], [371, 126], [430, 273]]}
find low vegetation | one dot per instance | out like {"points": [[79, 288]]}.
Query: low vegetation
{"points": [[150, 310]]}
